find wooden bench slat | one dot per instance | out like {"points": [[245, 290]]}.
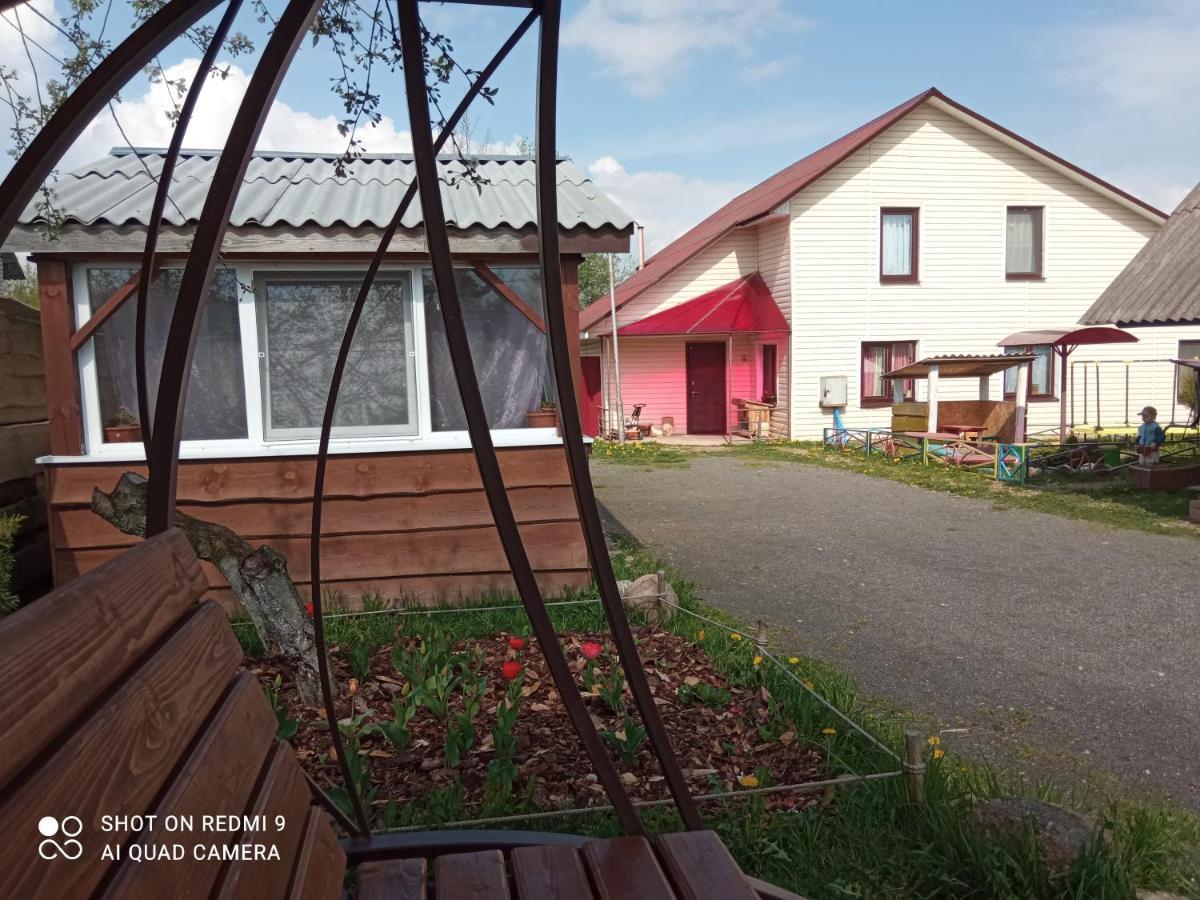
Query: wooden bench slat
{"points": [[701, 867], [403, 879], [625, 868], [119, 760], [320, 864], [218, 778], [549, 873], [283, 792], [58, 655], [471, 876]]}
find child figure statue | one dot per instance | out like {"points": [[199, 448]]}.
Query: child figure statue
{"points": [[1150, 437]]}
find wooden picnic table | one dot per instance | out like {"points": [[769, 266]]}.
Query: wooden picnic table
{"points": [[962, 430]]}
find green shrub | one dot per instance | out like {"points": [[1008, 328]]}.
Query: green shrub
{"points": [[9, 526]]}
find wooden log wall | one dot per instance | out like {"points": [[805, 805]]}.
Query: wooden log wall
{"points": [[24, 436], [414, 525]]}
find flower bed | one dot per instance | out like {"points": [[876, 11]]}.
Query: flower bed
{"points": [[479, 724]]}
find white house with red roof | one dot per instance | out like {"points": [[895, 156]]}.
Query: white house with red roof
{"points": [[928, 231]]}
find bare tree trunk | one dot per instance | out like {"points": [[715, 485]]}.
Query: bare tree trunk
{"points": [[258, 577]]}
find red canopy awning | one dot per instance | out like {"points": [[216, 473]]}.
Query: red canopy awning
{"points": [[741, 306]]}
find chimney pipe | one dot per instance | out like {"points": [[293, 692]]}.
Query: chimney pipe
{"points": [[641, 232]]}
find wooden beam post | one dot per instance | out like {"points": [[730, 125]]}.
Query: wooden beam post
{"points": [[62, 372], [985, 382], [932, 424], [107, 309], [914, 766], [496, 283], [1022, 393], [570, 283]]}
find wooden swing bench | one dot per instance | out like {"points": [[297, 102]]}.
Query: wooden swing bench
{"points": [[123, 694]]}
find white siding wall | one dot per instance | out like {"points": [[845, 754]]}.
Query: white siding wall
{"points": [[774, 264], [962, 180], [727, 260]]}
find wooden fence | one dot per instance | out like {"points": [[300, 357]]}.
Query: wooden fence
{"points": [[24, 436]]}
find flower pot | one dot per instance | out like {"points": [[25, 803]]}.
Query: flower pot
{"points": [[122, 434], [542, 418]]}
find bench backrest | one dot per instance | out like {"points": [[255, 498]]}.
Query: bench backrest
{"points": [[122, 694]]}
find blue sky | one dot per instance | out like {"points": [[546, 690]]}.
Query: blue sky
{"points": [[676, 105]]}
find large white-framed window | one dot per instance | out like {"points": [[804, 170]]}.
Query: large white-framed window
{"points": [[301, 316], [268, 353]]}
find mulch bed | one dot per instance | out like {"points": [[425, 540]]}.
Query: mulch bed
{"points": [[715, 747]]}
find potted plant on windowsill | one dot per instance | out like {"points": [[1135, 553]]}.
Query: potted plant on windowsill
{"points": [[124, 427], [545, 416]]}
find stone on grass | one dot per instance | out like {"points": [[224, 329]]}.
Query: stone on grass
{"points": [[1062, 835], [642, 595]]}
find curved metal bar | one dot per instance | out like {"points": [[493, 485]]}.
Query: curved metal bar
{"points": [[339, 368], [156, 214], [477, 425], [89, 98], [585, 497], [193, 295]]}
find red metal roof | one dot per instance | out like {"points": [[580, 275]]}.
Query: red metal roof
{"points": [[763, 198], [744, 305], [1069, 337]]}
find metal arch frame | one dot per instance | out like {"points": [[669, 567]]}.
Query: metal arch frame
{"points": [[163, 443]]}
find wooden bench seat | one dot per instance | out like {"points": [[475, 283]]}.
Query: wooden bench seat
{"points": [[123, 695], [684, 866]]}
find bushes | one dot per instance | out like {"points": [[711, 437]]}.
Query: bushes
{"points": [[9, 526]]}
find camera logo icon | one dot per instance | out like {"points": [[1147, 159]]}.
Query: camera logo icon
{"points": [[70, 828]]}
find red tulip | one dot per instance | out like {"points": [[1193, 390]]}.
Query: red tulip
{"points": [[308, 608], [511, 669], [517, 643], [591, 649]]}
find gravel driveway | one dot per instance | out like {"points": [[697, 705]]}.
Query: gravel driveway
{"points": [[1064, 646]]}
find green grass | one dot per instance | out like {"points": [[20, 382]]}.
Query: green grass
{"points": [[639, 453], [867, 841], [1109, 500]]}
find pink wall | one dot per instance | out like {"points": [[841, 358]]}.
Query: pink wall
{"points": [[653, 372]]}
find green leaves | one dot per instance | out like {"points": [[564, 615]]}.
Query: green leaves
{"points": [[627, 740]]}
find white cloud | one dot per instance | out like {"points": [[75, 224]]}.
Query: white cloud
{"points": [[1137, 75], [666, 203], [768, 69], [1147, 60], [146, 124], [648, 44]]}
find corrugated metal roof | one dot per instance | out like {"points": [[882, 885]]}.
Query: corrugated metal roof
{"points": [[762, 199], [294, 189], [1161, 285], [1068, 337], [961, 365]]}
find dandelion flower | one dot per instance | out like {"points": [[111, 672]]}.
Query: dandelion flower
{"points": [[794, 660], [939, 753], [934, 741], [757, 661], [700, 635], [750, 781], [828, 731], [735, 636], [808, 684]]}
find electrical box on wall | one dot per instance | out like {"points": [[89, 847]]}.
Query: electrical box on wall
{"points": [[833, 390]]}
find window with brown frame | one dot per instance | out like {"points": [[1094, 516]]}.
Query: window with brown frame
{"points": [[1041, 375], [879, 358], [1023, 243], [898, 244]]}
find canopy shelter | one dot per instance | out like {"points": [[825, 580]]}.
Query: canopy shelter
{"points": [[739, 307], [1063, 342], [934, 368]]}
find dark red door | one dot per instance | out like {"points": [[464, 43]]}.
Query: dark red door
{"points": [[590, 366], [706, 388]]}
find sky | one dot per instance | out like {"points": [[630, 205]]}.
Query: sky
{"points": [[674, 106]]}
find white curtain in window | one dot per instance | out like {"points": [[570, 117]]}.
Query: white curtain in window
{"points": [[510, 353], [874, 368], [215, 408], [897, 244], [1020, 246]]}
